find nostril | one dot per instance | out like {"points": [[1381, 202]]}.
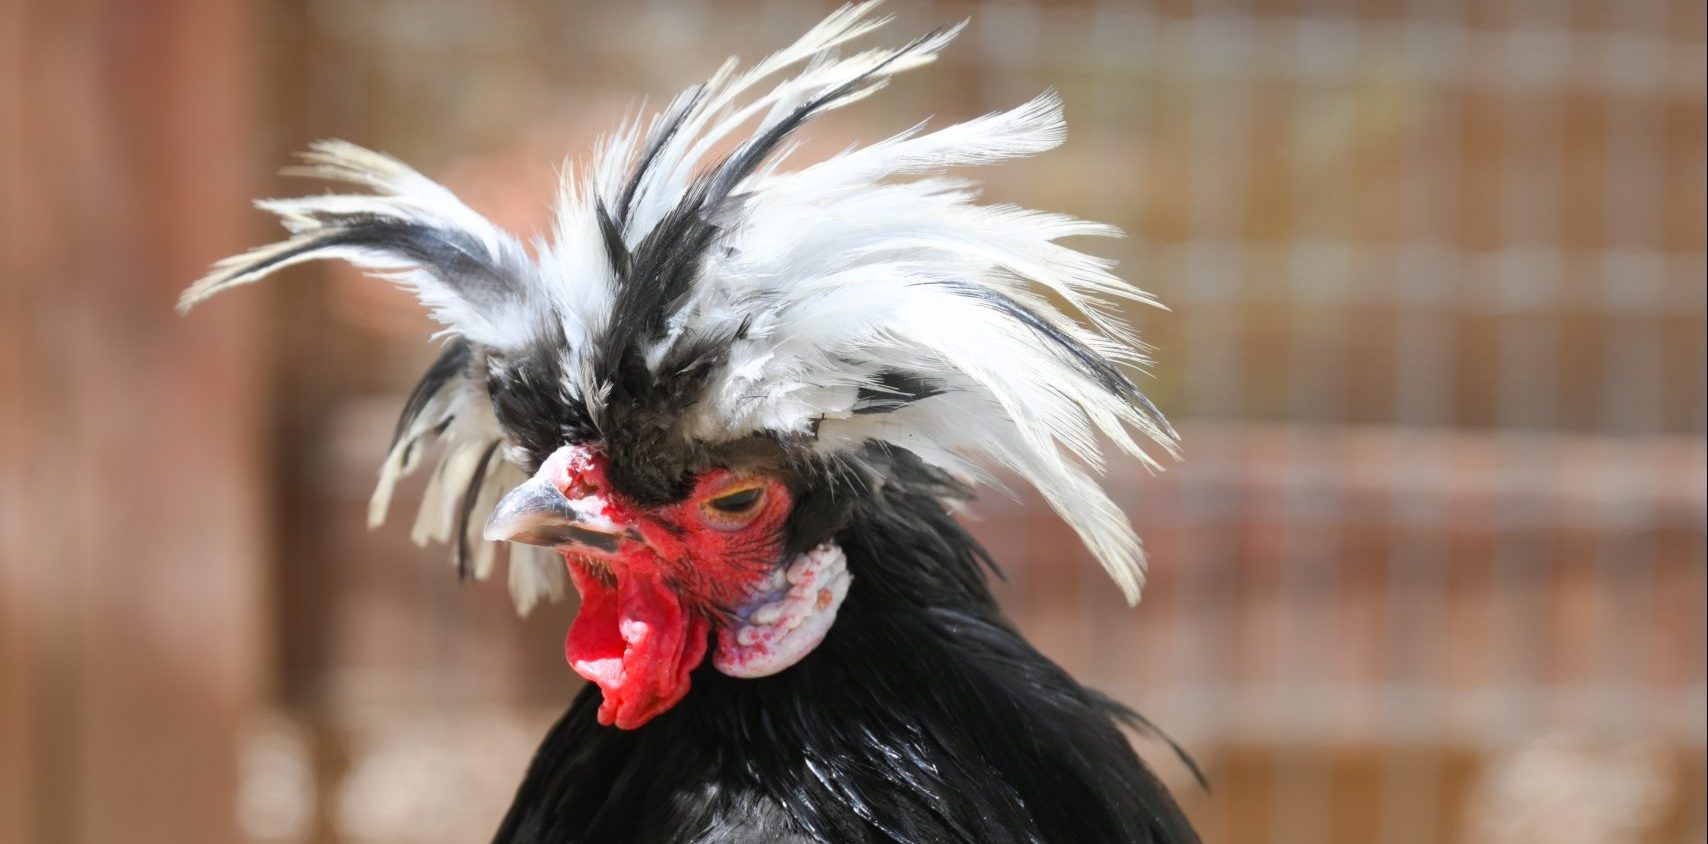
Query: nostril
{"points": [[579, 488]]}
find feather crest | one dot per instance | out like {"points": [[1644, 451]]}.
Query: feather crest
{"points": [[854, 306]]}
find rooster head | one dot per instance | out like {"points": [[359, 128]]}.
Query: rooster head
{"points": [[653, 578], [677, 399]]}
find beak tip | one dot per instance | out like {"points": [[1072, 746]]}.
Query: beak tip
{"points": [[524, 505], [537, 513]]}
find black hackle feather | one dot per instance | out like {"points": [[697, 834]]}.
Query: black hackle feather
{"points": [[923, 718]]}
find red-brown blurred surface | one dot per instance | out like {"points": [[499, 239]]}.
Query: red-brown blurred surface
{"points": [[1433, 570]]}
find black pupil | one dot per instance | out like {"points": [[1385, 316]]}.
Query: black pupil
{"points": [[736, 502]]}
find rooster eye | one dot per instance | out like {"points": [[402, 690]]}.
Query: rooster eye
{"points": [[733, 509], [737, 502]]}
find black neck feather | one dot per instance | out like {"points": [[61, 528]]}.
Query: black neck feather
{"points": [[923, 717]]}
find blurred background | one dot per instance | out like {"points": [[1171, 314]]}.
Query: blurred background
{"points": [[1433, 570]]}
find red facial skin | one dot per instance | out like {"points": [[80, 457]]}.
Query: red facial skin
{"points": [[648, 607]]}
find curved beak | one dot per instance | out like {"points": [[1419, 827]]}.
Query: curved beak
{"points": [[537, 513]]}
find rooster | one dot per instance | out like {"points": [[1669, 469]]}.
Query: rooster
{"points": [[737, 404]]}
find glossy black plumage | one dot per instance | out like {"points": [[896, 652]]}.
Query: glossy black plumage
{"points": [[923, 717]]}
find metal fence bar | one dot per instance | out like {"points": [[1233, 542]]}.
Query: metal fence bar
{"points": [[1527, 380], [1632, 358], [1424, 363], [1325, 51], [1479, 286], [1205, 636], [1107, 201], [1449, 51], [1219, 131]]}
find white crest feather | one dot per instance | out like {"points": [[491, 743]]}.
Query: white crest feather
{"points": [[859, 300], [839, 272], [406, 209]]}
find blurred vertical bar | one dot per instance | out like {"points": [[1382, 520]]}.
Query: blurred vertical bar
{"points": [[1113, 113], [1633, 289], [27, 629], [1323, 64], [1216, 59], [1527, 292], [1425, 273], [132, 625], [1208, 57], [1212, 60]]}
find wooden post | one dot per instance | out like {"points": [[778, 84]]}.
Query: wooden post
{"points": [[133, 625]]}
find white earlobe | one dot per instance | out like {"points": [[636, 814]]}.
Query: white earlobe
{"points": [[788, 616]]}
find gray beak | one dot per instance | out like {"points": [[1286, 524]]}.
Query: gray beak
{"points": [[536, 513]]}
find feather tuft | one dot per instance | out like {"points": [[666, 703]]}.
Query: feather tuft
{"points": [[861, 305]]}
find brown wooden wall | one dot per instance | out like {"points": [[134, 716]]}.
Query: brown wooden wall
{"points": [[133, 623]]}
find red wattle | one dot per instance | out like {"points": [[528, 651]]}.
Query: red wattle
{"points": [[636, 642]]}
